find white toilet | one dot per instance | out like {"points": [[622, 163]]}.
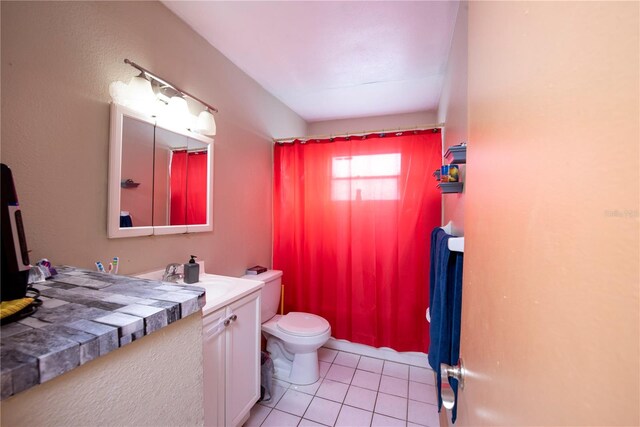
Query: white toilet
{"points": [[293, 339]]}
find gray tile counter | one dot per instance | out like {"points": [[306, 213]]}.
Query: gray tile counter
{"points": [[86, 315]]}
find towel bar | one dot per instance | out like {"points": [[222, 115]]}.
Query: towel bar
{"points": [[455, 244]]}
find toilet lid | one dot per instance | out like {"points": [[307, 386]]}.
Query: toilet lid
{"points": [[303, 324]]}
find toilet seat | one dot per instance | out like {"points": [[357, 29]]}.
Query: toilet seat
{"points": [[303, 324]]}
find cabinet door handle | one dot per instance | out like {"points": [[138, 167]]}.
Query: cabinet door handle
{"points": [[230, 319]]}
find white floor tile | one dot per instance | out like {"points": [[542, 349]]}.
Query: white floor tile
{"points": [[277, 391], [408, 425], [423, 392], [347, 359], [294, 402], [361, 398], [308, 389], [422, 375], [257, 415], [384, 421], [366, 379], [309, 423], [333, 390], [423, 414], [323, 411], [392, 406], [395, 386], [327, 354], [280, 419], [370, 364], [342, 374], [397, 370], [324, 368], [353, 417], [282, 383]]}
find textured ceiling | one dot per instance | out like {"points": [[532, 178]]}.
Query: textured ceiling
{"points": [[333, 60]]}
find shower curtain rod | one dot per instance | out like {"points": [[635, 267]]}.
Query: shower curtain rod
{"points": [[359, 133]]}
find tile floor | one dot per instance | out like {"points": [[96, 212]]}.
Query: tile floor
{"points": [[353, 391]]}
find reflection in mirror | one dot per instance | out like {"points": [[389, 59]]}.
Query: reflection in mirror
{"points": [[136, 180], [197, 173], [169, 202]]}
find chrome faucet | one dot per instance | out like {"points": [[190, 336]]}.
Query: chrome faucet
{"points": [[171, 273]]}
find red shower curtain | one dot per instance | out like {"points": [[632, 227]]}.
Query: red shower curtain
{"points": [[352, 220], [188, 188]]}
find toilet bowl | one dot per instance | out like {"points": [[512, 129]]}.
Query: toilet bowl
{"points": [[293, 340]]}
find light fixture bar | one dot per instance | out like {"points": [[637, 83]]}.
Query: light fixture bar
{"points": [[167, 83]]}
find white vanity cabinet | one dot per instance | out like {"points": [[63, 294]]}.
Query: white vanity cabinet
{"points": [[231, 340]]}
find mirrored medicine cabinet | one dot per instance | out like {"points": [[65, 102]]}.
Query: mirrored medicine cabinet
{"points": [[160, 178]]}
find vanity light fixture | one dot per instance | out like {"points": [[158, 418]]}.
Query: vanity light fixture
{"points": [[177, 113], [140, 87], [140, 93], [206, 123], [140, 96]]}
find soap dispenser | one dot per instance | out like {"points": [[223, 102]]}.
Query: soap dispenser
{"points": [[191, 271]]}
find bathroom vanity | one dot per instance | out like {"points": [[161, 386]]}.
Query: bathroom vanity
{"points": [[117, 350], [231, 347], [231, 352]]}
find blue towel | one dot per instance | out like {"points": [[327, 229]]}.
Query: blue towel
{"points": [[445, 307], [125, 221]]}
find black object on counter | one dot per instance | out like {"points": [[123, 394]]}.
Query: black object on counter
{"points": [[192, 271], [14, 264]]}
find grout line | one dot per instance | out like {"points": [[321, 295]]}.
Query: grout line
{"points": [[342, 404]]}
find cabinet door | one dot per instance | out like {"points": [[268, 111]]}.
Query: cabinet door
{"points": [[243, 358], [214, 333]]}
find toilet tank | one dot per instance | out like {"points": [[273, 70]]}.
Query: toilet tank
{"points": [[270, 292]]}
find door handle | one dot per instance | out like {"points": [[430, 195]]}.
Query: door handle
{"points": [[446, 372]]}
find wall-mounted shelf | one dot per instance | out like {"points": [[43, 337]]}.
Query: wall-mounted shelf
{"points": [[450, 187], [457, 154], [129, 183]]}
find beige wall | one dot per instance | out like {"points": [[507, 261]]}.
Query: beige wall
{"points": [[58, 59], [156, 381], [452, 111], [550, 307], [364, 124]]}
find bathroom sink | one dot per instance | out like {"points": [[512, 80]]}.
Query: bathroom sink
{"points": [[220, 290], [215, 286]]}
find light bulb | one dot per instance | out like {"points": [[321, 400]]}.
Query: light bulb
{"points": [[177, 113], [140, 94], [206, 124]]}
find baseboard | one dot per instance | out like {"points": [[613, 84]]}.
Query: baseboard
{"points": [[413, 358]]}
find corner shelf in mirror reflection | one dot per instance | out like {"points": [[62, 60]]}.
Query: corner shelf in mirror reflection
{"points": [[129, 183]]}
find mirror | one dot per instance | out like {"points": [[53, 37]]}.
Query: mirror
{"points": [[160, 178]]}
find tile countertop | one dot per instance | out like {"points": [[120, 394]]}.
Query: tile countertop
{"points": [[85, 315]]}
